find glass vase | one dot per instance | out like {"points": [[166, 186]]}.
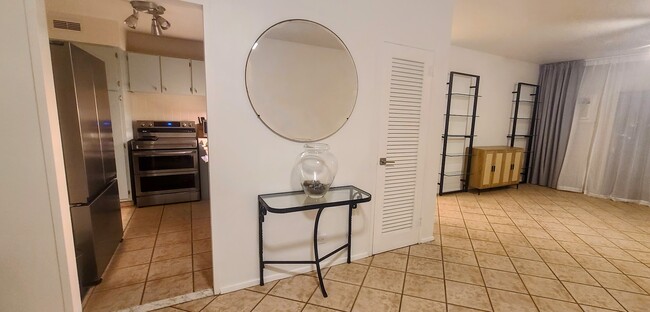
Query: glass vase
{"points": [[316, 168]]}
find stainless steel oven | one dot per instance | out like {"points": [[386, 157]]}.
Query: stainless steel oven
{"points": [[164, 163]]}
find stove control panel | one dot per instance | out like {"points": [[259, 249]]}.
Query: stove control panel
{"points": [[163, 124]]}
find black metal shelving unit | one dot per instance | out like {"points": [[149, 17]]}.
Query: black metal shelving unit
{"points": [[525, 102], [462, 100]]}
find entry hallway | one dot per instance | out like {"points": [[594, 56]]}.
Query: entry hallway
{"points": [[506, 250]]}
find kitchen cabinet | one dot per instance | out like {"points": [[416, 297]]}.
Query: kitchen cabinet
{"points": [[167, 75], [144, 73], [494, 166], [176, 75], [198, 77]]}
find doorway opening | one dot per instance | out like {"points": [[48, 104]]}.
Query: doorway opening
{"points": [[156, 139]]}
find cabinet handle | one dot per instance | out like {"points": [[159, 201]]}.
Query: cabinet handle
{"points": [[195, 90], [165, 88], [493, 168], [155, 88], [512, 167]]}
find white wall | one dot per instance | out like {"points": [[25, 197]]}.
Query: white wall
{"points": [[499, 76], [147, 106], [247, 159], [37, 269]]}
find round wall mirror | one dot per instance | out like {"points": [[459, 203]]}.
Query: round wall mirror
{"points": [[301, 80]]}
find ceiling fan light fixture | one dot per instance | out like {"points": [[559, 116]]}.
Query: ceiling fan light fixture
{"points": [[156, 29], [164, 24], [132, 20], [158, 23]]}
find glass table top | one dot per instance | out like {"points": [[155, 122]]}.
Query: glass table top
{"points": [[296, 201]]}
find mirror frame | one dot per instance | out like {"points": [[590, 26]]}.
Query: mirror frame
{"points": [[356, 74]]}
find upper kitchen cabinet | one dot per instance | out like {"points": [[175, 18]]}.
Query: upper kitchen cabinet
{"points": [[144, 73], [198, 77], [167, 75], [176, 75], [112, 57]]}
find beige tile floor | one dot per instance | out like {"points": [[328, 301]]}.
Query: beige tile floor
{"points": [[166, 252], [532, 249]]}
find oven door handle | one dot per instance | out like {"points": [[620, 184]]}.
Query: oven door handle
{"points": [[163, 153]]}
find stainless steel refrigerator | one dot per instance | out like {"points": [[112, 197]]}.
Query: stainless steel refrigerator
{"points": [[85, 124]]}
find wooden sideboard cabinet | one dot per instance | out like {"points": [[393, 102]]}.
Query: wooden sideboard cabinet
{"points": [[494, 166]]}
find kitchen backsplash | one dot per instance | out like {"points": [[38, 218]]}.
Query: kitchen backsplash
{"points": [[145, 106]]}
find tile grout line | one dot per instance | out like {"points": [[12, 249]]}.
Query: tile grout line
{"points": [[146, 282]]}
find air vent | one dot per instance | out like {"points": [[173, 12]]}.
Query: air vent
{"points": [[66, 25]]}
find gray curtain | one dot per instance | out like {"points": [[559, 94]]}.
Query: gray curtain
{"points": [[559, 84]]}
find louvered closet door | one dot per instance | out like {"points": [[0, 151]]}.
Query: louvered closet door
{"points": [[406, 86]]}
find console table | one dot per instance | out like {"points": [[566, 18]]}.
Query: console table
{"points": [[288, 202]]}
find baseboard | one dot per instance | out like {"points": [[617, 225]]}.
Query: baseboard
{"points": [[277, 276]]}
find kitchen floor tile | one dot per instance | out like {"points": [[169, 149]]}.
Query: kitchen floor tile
{"points": [[238, 301], [168, 287], [503, 280], [372, 300], [505, 301], [463, 273], [389, 260], [424, 266], [115, 299], [550, 305], [413, 304], [171, 251], [544, 287], [384, 279], [424, 287], [340, 296], [467, 295], [276, 304], [171, 267], [426, 251], [299, 287], [591, 295]]}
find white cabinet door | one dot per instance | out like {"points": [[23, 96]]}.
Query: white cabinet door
{"points": [[110, 57], [144, 73], [119, 143], [176, 75], [198, 77]]}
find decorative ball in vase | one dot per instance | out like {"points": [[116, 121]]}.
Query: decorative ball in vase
{"points": [[315, 169]]}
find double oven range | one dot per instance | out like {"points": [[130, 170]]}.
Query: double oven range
{"points": [[164, 162]]}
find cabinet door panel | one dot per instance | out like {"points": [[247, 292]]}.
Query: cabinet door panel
{"points": [[144, 73], [176, 75], [198, 77], [498, 165], [487, 169], [517, 168], [507, 164]]}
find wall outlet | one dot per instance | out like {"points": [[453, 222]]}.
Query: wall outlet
{"points": [[321, 237]]}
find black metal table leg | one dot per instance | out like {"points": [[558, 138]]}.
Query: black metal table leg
{"points": [[261, 243], [316, 258], [350, 232]]}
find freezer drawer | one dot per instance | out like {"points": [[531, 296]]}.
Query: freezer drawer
{"points": [[97, 230]]}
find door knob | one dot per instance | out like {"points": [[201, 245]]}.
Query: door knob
{"points": [[384, 162]]}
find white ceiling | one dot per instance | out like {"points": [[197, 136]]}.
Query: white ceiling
{"points": [[545, 31], [186, 18]]}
